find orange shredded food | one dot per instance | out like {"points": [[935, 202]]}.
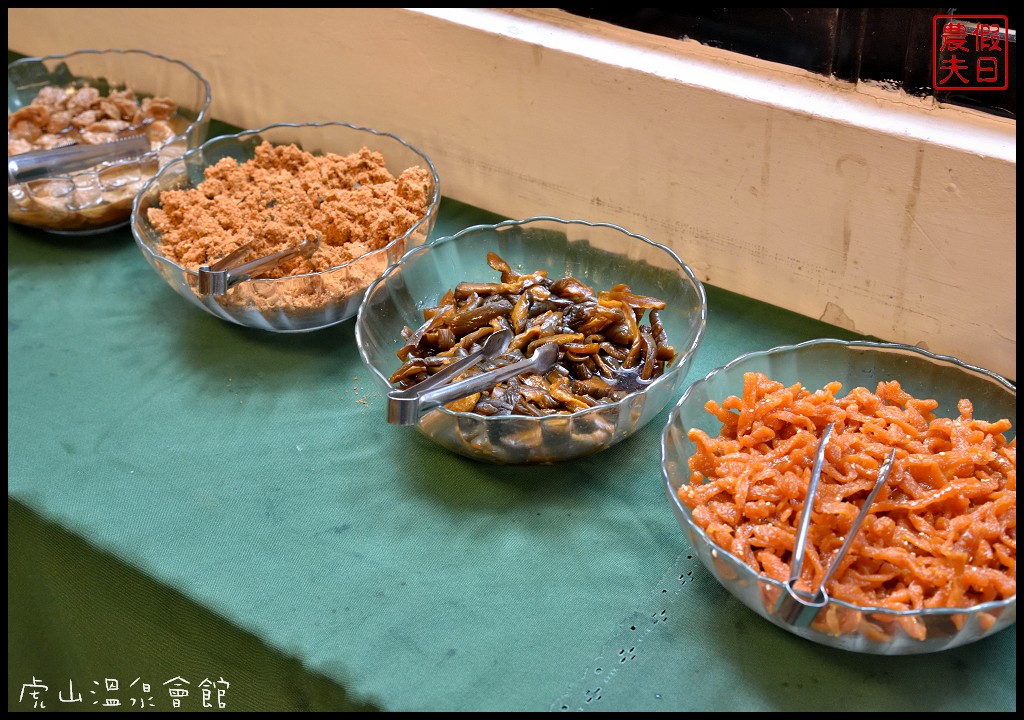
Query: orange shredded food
{"points": [[942, 531]]}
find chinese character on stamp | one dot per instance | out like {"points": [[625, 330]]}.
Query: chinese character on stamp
{"points": [[970, 52]]}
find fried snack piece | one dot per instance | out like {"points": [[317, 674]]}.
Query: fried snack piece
{"points": [[58, 116]]}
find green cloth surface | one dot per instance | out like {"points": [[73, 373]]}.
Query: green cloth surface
{"points": [[190, 498]]}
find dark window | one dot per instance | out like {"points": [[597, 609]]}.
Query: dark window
{"points": [[886, 45]]}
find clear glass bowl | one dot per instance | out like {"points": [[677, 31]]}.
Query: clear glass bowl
{"points": [[292, 303], [854, 363], [598, 254], [98, 199]]}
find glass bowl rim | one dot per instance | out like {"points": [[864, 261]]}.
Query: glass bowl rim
{"points": [[749, 572], [432, 206], [204, 110], [559, 417]]}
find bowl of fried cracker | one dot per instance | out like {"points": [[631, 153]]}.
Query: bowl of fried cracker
{"points": [[96, 99]]}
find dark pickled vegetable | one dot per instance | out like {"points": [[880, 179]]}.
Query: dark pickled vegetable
{"points": [[605, 349]]}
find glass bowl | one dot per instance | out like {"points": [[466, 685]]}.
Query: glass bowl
{"points": [[600, 255], [97, 199], [854, 364], [355, 220]]}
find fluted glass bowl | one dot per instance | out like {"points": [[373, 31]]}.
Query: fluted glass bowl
{"points": [[97, 199], [292, 302], [814, 364], [599, 254]]}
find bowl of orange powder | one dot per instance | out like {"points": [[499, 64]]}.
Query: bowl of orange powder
{"points": [[933, 566], [282, 228]]}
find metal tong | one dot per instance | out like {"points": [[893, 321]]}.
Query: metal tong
{"points": [[221, 276], [405, 407], [800, 608], [66, 159]]}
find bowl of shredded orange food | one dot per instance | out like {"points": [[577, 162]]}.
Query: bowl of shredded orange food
{"points": [[933, 566]]}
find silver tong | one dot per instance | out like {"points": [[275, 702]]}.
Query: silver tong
{"points": [[405, 407], [800, 608], [66, 159], [221, 276]]}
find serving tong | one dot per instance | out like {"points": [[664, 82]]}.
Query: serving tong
{"points": [[797, 607], [221, 276], [405, 407], [65, 159]]}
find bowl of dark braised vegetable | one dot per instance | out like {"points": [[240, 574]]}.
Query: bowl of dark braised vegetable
{"points": [[532, 341]]}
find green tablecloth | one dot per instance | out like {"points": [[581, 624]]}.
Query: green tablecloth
{"points": [[192, 501]]}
